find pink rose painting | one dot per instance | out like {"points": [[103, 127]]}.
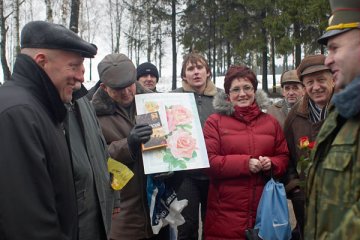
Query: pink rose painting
{"points": [[181, 145], [178, 115]]}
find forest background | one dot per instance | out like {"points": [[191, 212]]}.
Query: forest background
{"points": [[270, 36]]}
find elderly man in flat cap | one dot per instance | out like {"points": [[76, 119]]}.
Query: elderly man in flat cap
{"points": [[333, 189], [114, 103], [292, 91], [38, 198], [305, 120]]}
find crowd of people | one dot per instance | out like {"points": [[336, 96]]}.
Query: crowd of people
{"points": [[57, 138]]}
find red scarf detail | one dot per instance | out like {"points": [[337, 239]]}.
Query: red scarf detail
{"points": [[247, 114]]}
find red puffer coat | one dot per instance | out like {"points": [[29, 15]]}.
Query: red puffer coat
{"points": [[233, 135]]}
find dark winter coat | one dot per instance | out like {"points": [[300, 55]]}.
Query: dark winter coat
{"points": [[37, 194], [133, 221], [231, 140], [95, 197], [298, 125]]}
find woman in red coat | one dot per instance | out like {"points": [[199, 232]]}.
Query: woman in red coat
{"points": [[243, 144]]}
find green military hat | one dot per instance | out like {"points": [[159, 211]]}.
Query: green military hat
{"points": [[345, 16]]}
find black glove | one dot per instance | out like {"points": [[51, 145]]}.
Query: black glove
{"points": [[139, 134], [298, 200]]}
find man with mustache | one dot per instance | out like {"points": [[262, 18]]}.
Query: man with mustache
{"points": [[306, 119]]}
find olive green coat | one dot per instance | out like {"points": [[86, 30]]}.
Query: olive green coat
{"points": [[333, 184]]}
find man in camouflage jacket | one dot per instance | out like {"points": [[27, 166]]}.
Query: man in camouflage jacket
{"points": [[333, 185]]}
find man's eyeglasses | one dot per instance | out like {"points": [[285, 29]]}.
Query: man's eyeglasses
{"points": [[237, 90]]}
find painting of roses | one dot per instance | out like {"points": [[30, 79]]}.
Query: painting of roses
{"points": [[185, 148]]}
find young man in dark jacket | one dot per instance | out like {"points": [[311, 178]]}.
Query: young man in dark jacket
{"points": [[38, 199]]}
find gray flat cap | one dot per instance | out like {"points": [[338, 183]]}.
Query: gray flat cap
{"points": [[117, 71], [41, 34]]}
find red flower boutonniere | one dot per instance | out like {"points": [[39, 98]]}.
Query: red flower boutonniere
{"points": [[305, 146]]}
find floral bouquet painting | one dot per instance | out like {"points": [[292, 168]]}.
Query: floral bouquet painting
{"points": [[185, 145]]}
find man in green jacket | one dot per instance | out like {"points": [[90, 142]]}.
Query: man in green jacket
{"points": [[333, 184]]}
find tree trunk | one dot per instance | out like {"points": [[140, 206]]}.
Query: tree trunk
{"points": [[64, 11], [173, 38], [16, 8], [49, 12], [74, 16], [264, 56], [273, 63], [4, 64], [297, 44], [148, 30]]}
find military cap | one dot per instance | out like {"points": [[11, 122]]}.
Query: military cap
{"points": [[289, 77], [345, 16], [117, 71], [41, 34], [311, 64]]}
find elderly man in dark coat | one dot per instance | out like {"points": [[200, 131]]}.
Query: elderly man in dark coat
{"points": [[38, 199], [305, 120]]}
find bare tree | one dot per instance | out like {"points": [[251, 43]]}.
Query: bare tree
{"points": [[49, 11], [16, 31], [74, 16], [115, 23], [64, 11], [4, 29]]}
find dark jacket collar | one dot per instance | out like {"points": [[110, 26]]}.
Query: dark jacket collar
{"points": [[31, 76]]}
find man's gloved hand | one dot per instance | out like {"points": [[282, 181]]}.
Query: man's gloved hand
{"points": [[139, 134]]}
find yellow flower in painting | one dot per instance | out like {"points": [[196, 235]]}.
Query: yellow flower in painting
{"points": [[151, 106]]}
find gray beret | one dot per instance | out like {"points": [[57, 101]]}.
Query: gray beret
{"points": [[117, 71], [41, 34]]}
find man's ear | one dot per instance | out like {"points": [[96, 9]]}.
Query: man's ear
{"points": [[103, 86], [41, 59]]}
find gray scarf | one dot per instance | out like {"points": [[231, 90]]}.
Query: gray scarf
{"points": [[347, 102]]}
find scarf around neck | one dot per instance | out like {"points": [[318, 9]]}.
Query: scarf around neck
{"points": [[347, 102], [316, 113], [247, 114]]}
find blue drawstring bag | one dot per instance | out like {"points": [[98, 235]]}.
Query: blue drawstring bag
{"points": [[272, 216]]}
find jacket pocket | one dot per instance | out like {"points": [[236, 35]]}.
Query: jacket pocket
{"points": [[337, 176]]}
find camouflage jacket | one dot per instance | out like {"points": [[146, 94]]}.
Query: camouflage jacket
{"points": [[333, 184]]}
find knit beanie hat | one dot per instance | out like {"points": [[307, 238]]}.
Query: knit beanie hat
{"points": [[147, 68]]}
